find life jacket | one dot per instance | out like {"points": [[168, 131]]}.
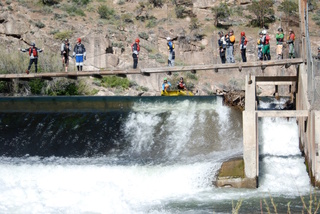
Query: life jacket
{"points": [[231, 40], [181, 84], [79, 49], [135, 47], [243, 42], [34, 51], [292, 37], [266, 39], [170, 46]]}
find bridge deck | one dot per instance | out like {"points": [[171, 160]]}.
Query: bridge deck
{"points": [[148, 71]]}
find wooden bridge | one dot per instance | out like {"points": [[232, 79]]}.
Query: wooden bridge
{"points": [[147, 71]]}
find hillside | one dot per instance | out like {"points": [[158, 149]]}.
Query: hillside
{"points": [[108, 28]]}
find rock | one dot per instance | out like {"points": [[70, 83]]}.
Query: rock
{"points": [[112, 60], [231, 174]]}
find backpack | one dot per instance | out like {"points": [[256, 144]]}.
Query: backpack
{"points": [[33, 51]]}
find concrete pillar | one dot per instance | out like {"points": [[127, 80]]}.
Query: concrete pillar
{"points": [[250, 142], [316, 164]]}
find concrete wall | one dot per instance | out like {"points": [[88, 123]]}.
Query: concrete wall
{"points": [[309, 137], [250, 135]]}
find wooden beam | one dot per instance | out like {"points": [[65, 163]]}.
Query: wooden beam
{"points": [[148, 71], [223, 66], [276, 78], [283, 113], [275, 83]]}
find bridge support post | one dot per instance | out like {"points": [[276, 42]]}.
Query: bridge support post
{"points": [[250, 136]]}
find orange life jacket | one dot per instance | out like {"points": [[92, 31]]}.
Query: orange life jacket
{"points": [[33, 51]]}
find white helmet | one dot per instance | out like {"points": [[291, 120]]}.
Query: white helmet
{"points": [[168, 38], [264, 32]]}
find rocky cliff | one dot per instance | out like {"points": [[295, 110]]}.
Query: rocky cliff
{"points": [[108, 40]]}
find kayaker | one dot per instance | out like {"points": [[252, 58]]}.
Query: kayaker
{"points": [[181, 84], [166, 84]]}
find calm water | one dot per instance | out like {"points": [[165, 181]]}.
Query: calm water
{"points": [[139, 155]]}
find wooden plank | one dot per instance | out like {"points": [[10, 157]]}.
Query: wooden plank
{"points": [[276, 78], [283, 113], [275, 83], [223, 66], [147, 71]]}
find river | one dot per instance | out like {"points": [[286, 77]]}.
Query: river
{"points": [[140, 155]]}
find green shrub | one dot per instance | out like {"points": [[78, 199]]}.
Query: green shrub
{"points": [[4, 87], [180, 11], [156, 3], [194, 24], [63, 35], [39, 24], [105, 12], [51, 2], [36, 86], [74, 10], [151, 23], [192, 76], [128, 18], [62, 87], [144, 35], [81, 2], [115, 82]]}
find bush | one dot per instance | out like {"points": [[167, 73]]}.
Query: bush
{"points": [[156, 3], [4, 87], [105, 12], [61, 87], [144, 35], [194, 24], [36, 86], [81, 2], [39, 24], [51, 2], [151, 23], [115, 82], [74, 10], [180, 11], [63, 35]]}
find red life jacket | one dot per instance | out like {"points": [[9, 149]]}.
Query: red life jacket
{"points": [[34, 52], [267, 39]]}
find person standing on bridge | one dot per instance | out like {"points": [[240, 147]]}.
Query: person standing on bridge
{"points": [[135, 47], [260, 46], [280, 39], [243, 46], [79, 52], [222, 47], [65, 50], [172, 56], [33, 53], [266, 46], [290, 41], [230, 40]]}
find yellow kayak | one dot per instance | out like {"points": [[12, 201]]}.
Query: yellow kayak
{"points": [[176, 93]]}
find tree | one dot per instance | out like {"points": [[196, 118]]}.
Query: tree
{"points": [[289, 7], [262, 10], [220, 12]]}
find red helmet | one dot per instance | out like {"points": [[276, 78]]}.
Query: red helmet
{"points": [[137, 40], [79, 40], [243, 34]]}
